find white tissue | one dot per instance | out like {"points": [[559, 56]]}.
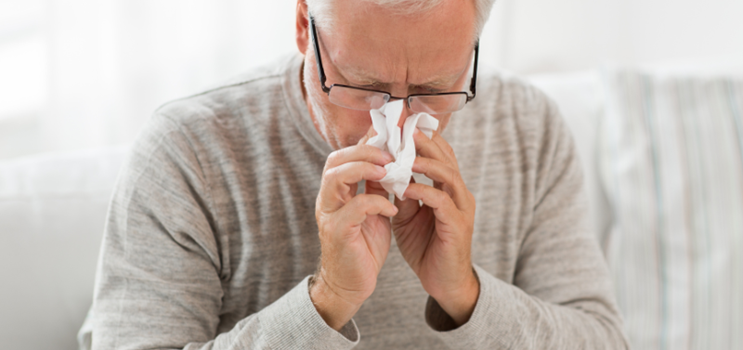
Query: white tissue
{"points": [[398, 143]]}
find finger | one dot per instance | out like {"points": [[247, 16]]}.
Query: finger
{"points": [[450, 221], [360, 153], [436, 199], [408, 207], [355, 211], [374, 187], [444, 174], [427, 148], [445, 147], [337, 182]]}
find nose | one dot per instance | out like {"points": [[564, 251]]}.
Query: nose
{"points": [[406, 112]]}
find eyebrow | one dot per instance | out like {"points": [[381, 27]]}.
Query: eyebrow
{"points": [[366, 77]]}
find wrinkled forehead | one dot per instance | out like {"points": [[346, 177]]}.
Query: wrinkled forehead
{"points": [[370, 41]]}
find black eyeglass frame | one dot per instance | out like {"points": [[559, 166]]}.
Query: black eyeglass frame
{"points": [[326, 89]]}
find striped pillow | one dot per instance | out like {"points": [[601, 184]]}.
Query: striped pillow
{"points": [[671, 162]]}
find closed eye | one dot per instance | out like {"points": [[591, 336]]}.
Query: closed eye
{"points": [[428, 90]]}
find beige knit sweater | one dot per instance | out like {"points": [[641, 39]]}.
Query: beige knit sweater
{"points": [[211, 233]]}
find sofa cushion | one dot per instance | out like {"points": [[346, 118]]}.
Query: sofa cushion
{"points": [[52, 213], [671, 155]]}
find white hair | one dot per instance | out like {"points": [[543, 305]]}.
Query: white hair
{"points": [[322, 10]]}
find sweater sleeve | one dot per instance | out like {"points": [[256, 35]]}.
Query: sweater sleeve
{"points": [[561, 296], [158, 283]]}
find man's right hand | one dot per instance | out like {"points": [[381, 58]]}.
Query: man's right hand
{"points": [[354, 231]]}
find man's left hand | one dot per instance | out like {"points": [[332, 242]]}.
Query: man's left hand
{"points": [[436, 238]]}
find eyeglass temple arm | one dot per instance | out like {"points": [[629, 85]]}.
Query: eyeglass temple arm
{"points": [[473, 82], [315, 43]]}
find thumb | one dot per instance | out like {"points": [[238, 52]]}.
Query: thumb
{"points": [[407, 208], [374, 187]]}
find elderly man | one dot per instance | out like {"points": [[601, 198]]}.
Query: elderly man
{"points": [[232, 196]]}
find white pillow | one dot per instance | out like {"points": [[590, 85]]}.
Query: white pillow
{"points": [[671, 155], [52, 213]]}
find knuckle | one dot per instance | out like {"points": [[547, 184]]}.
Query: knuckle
{"points": [[329, 178], [428, 170], [454, 176], [364, 167], [368, 201], [448, 148], [449, 191], [336, 157], [366, 150], [370, 169], [371, 154], [442, 197], [362, 201]]}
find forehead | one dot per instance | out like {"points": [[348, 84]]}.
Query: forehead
{"points": [[374, 43]]}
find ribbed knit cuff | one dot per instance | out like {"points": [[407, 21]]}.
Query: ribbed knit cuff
{"points": [[487, 327], [292, 322]]}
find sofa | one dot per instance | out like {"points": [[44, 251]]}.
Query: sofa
{"points": [[53, 208]]}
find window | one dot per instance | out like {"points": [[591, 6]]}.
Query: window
{"points": [[23, 58]]}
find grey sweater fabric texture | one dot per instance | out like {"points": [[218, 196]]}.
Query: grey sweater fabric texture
{"points": [[211, 234]]}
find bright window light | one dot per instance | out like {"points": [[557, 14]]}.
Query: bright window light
{"points": [[23, 58]]}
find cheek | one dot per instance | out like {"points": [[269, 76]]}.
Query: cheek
{"points": [[443, 121], [351, 125]]}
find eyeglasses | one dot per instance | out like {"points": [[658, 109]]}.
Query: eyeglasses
{"points": [[366, 99]]}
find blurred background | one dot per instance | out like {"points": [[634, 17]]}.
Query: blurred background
{"points": [[652, 91], [86, 73]]}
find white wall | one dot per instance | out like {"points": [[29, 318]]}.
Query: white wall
{"points": [[99, 68], [87, 73], [546, 36]]}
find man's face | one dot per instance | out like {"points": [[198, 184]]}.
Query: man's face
{"points": [[371, 47]]}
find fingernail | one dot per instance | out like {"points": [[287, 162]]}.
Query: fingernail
{"points": [[381, 170], [388, 157]]}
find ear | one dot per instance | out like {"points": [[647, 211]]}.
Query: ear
{"points": [[303, 27]]}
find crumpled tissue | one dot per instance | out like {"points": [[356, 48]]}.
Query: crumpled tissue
{"points": [[399, 143]]}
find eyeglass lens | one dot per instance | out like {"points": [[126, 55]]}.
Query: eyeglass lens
{"points": [[438, 104], [357, 99], [365, 100]]}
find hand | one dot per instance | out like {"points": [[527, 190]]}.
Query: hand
{"points": [[354, 231], [436, 238]]}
